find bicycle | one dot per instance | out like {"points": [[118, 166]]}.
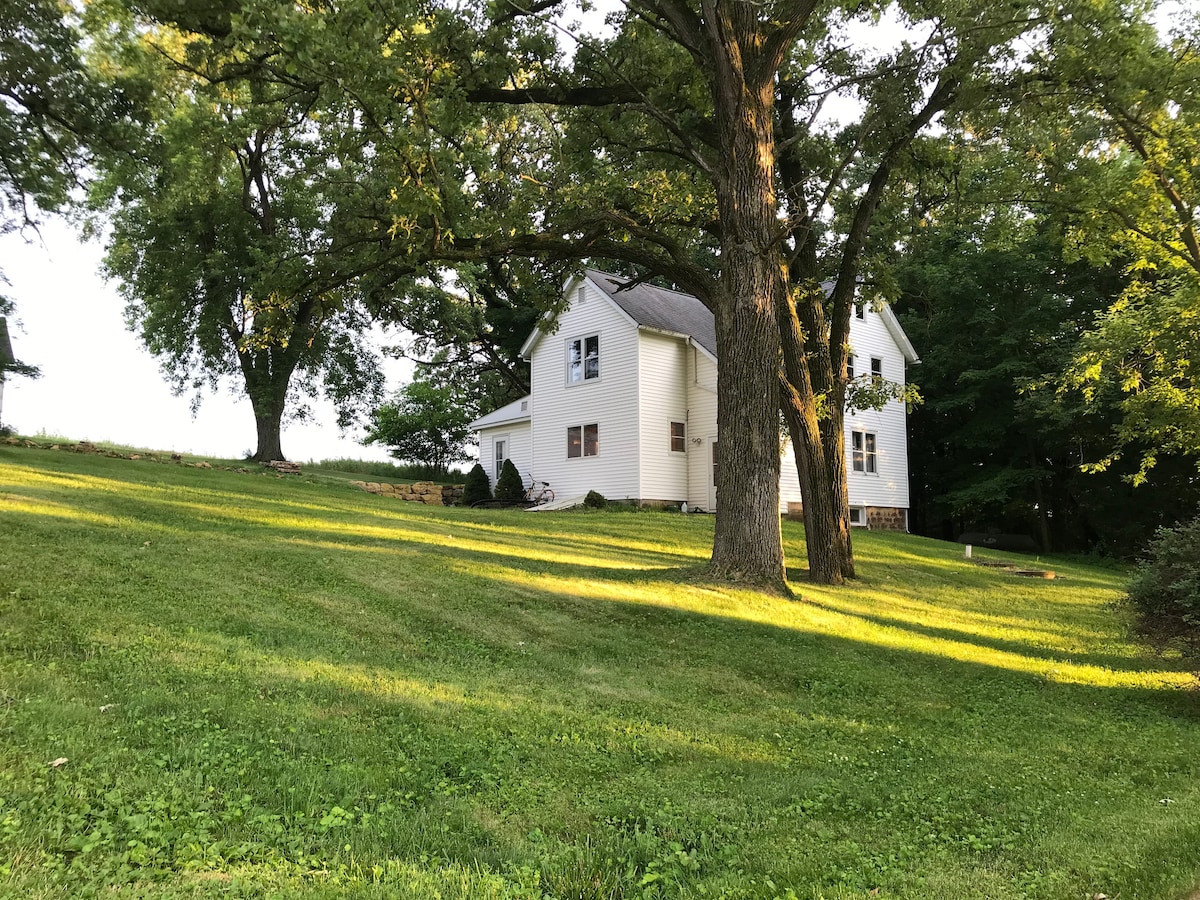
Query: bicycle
{"points": [[538, 492]]}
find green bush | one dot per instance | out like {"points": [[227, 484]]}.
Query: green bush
{"points": [[509, 485], [595, 500], [477, 487], [1165, 590]]}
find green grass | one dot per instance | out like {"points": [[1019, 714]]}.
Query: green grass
{"points": [[289, 688]]}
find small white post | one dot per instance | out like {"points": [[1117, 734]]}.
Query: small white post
{"points": [[967, 553]]}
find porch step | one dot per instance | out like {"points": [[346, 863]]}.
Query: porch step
{"points": [[564, 503]]}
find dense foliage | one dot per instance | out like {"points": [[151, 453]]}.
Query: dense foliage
{"points": [[509, 486], [477, 488], [425, 423], [996, 314], [1165, 591]]}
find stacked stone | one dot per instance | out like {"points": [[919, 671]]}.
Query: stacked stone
{"points": [[422, 492]]}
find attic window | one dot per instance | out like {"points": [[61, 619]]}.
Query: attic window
{"points": [[524, 406], [583, 359], [860, 310], [876, 367]]}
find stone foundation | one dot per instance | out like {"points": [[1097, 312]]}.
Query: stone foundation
{"points": [[881, 518], [887, 518]]}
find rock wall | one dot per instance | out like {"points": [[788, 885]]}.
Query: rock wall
{"points": [[422, 492], [887, 518]]}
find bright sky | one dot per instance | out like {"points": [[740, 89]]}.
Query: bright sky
{"points": [[100, 384]]}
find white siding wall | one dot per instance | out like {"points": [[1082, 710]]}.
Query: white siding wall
{"points": [[519, 449], [611, 402], [889, 485], [702, 424], [663, 370]]}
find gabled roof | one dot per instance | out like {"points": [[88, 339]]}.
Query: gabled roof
{"points": [[660, 309], [681, 314], [517, 411]]}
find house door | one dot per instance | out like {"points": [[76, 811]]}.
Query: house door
{"points": [[501, 455], [712, 481]]}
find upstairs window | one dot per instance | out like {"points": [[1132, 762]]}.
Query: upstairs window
{"points": [[862, 452], [583, 359], [876, 367], [850, 367], [678, 437], [860, 310], [583, 440]]}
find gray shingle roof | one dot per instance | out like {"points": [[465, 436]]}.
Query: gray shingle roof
{"points": [[660, 308]]}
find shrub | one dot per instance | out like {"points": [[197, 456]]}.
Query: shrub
{"points": [[477, 487], [509, 485], [595, 500], [1165, 590]]}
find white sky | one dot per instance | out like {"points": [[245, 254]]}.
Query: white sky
{"points": [[100, 384]]}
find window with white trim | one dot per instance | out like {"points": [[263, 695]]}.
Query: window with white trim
{"points": [[876, 367], [858, 515], [501, 455], [583, 359], [850, 367], [678, 437], [583, 440], [862, 452], [860, 310]]}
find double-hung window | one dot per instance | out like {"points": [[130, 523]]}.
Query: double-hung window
{"points": [[678, 437], [583, 359], [850, 367], [876, 367], [583, 440], [862, 452]]}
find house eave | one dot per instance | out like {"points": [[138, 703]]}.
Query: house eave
{"points": [[896, 330]]}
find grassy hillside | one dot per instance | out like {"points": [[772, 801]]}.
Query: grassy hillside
{"points": [[285, 687]]}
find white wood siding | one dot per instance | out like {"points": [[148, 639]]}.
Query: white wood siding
{"points": [[663, 371], [702, 425], [610, 401], [520, 448], [888, 486]]}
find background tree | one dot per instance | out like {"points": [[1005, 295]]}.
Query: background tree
{"points": [[1122, 148], [426, 423], [225, 234]]}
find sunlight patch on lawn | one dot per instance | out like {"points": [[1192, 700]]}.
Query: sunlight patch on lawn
{"points": [[825, 618], [15, 503]]}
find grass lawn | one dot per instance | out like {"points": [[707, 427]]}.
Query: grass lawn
{"points": [[290, 688]]}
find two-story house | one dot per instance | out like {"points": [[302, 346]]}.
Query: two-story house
{"points": [[623, 401]]}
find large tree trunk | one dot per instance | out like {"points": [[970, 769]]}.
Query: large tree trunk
{"points": [[269, 425], [267, 376], [747, 544], [820, 463]]}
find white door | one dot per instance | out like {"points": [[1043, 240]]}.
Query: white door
{"points": [[501, 445]]}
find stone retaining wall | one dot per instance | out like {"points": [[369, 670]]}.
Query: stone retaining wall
{"points": [[422, 492]]}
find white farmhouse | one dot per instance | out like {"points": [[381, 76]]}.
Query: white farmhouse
{"points": [[624, 402]]}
